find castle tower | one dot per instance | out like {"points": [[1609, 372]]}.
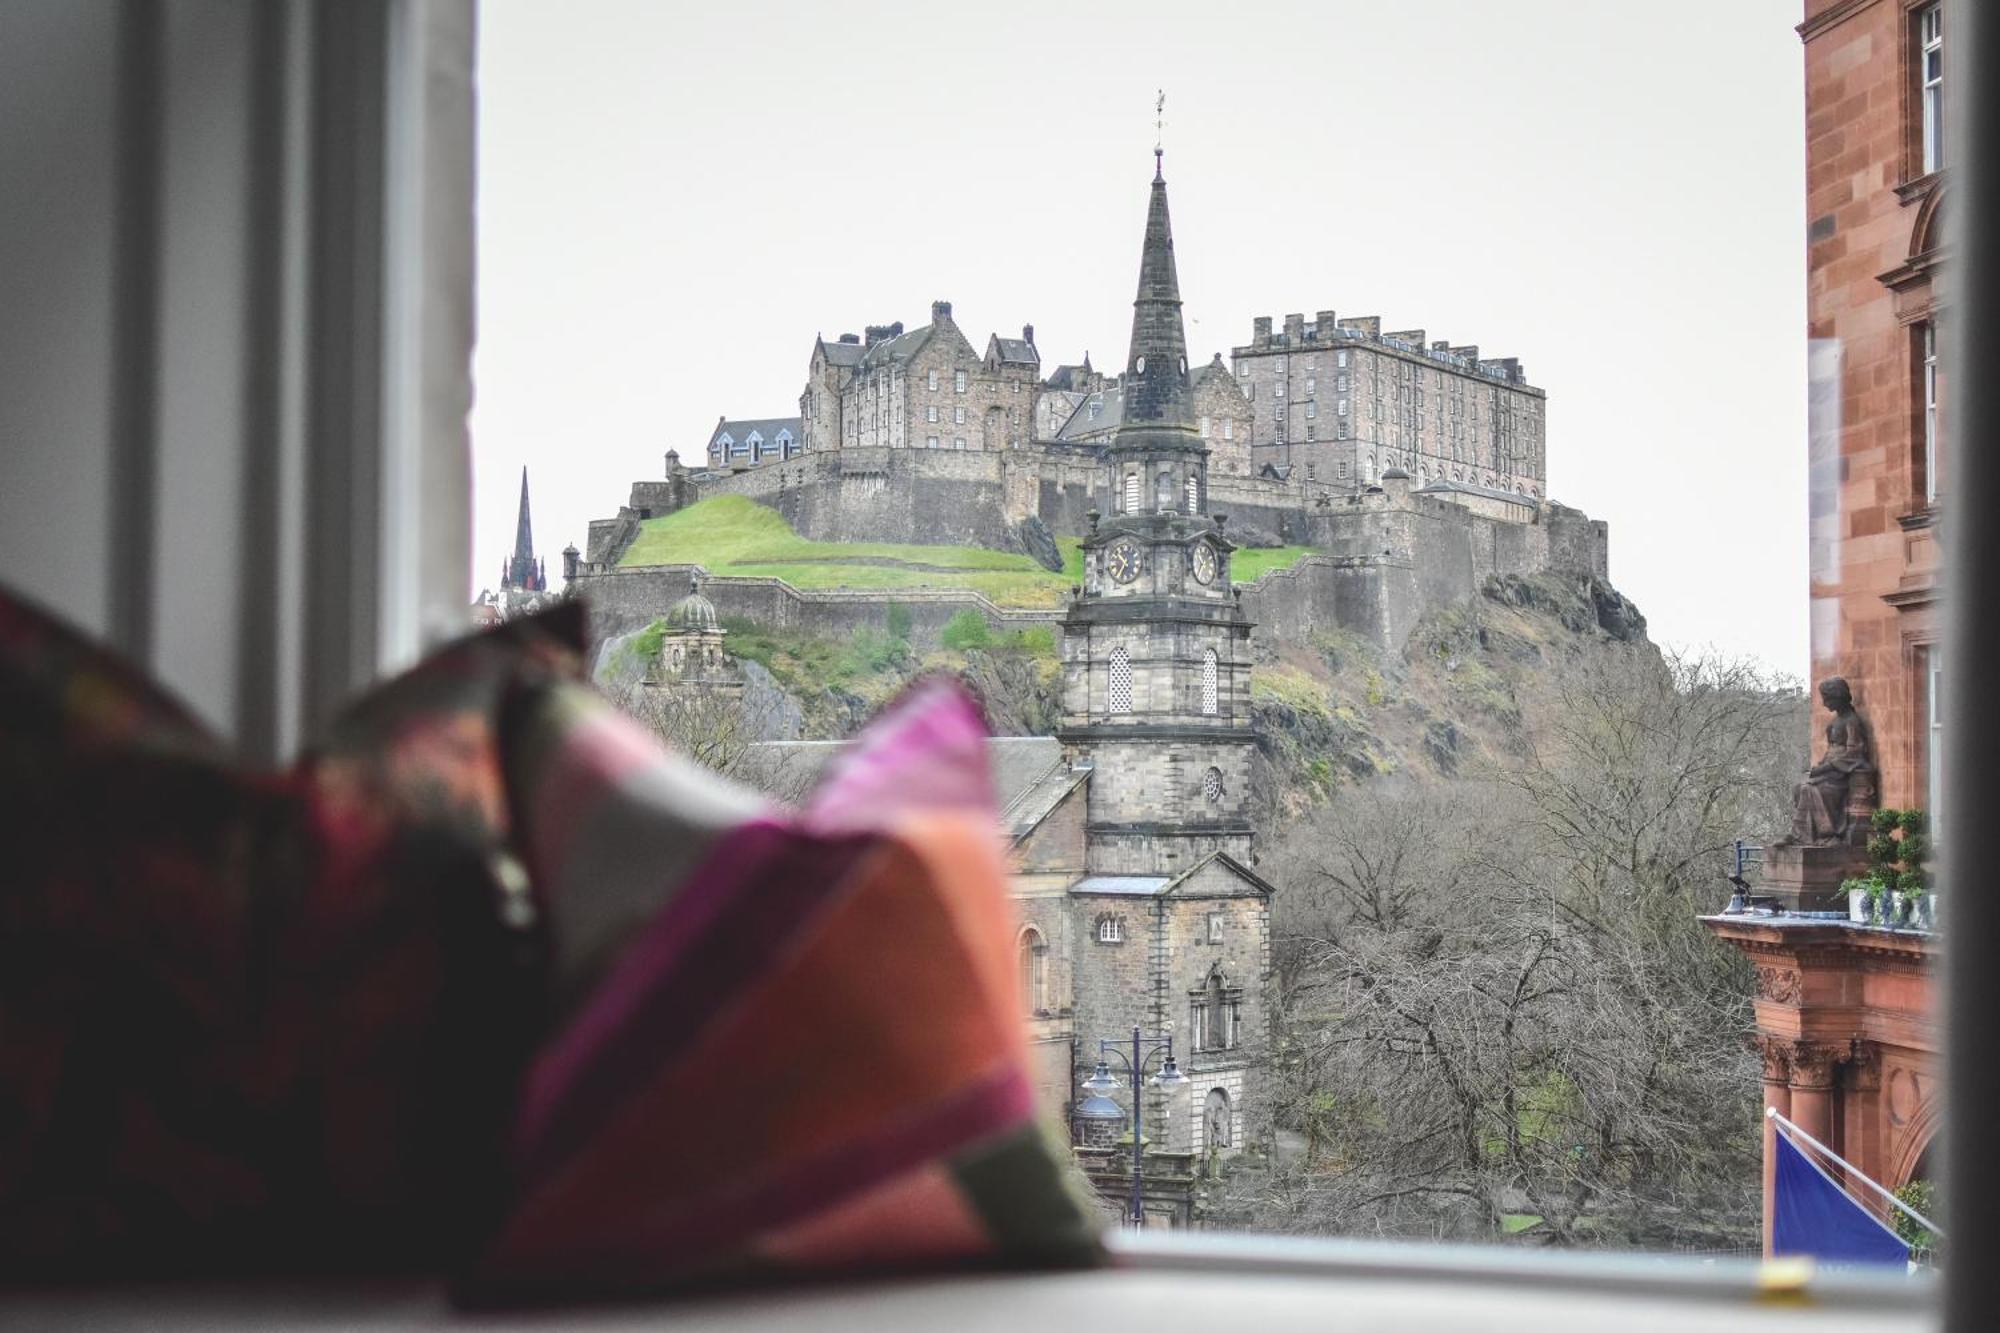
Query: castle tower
{"points": [[523, 572], [1156, 648]]}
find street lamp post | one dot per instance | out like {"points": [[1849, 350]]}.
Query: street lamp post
{"points": [[1102, 1082]]}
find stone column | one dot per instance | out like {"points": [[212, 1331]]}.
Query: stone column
{"points": [[1812, 1090], [1777, 1060]]}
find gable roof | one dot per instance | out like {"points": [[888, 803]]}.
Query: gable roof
{"points": [[1084, 423], [767, 427], [899, 348], [1162, 886], [1016, 351], [840, 353]]}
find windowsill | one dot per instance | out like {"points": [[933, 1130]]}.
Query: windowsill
{"points": [[1204, 1279], [1917, 190], [1919, 518]]}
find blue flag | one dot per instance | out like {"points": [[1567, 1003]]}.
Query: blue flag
{"points": [[1812, 1215]]}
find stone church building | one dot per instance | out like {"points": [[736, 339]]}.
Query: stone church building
{"points": [[1129, 831]]}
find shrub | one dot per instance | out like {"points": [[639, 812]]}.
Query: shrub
{"points": [[899, 621], [967, 629], [1894, 862]]}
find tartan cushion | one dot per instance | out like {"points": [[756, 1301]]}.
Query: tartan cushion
{"points": [[810, 1058], [256, 1021]]}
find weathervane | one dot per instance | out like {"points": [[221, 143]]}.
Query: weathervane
{"points": [[1159, 130]]}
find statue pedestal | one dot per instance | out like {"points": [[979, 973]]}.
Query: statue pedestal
{"points": [[1807, 878]]}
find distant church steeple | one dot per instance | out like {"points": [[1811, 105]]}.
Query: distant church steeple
{"points": [[522, 571], [1156, 648], [1159, 404]]}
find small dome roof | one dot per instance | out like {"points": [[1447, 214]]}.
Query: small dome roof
{"points": [[693, 614], [1395, 474]]}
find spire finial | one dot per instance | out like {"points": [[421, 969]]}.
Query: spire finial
{"points": [[1159, 133]]}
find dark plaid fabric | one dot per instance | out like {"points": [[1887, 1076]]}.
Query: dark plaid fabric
{"points": [[257, 1021]]}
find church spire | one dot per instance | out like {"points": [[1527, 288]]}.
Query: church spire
{"points": [[522, 570], [1156, 378]]}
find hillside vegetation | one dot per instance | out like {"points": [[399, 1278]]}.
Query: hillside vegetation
{"points": [[729, 534]]}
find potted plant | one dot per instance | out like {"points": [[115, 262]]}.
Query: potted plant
{"points": [[1896, 888]]}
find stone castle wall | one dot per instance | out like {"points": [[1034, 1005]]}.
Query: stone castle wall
{"points": [[1389, 555]]}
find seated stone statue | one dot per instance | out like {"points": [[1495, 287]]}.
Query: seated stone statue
{"points": [[1830, 807]]}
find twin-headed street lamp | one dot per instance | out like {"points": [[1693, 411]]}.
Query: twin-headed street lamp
{"points": [[1102, 1083]]}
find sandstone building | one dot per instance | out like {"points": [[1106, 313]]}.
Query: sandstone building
{"points": [[926, 388], [1846, 1018], [1344, 402]]}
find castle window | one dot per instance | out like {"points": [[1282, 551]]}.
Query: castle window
{"points": [[930, 412], [1312, 469], [1111, 930], [1204, 428], [1228, 428], [1163, 492], [958, 415], [1278, 389], [1118, 688], [1278, 364], [1193, 496], [958, 381], [958, 442], [932, 384], [930, 441], [1340, 407], [1211, 683], [1309, 385], [1278, 412], [1340, 358], [1930, 83], [1312, 409], [1312, 431], [1131, 492], [1034, 963], [1215, 920]]}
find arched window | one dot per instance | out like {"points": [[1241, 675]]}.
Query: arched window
{"points": [[1215, 1119], [1034, 960], [1163, 492], [1119, 689], [1193, 496], [1111, 929], [1211, 681], [1131, 492]]}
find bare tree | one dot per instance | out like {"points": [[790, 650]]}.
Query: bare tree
{"points": [[710, 726], [1498, 1009]]}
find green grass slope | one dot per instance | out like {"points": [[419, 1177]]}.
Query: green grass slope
{"points": [[732, 535]]}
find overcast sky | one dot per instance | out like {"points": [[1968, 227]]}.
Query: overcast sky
{"points": [[675, 198]]}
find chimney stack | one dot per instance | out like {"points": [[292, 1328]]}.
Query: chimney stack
{"points": [[1028, 334], [940, 312], [1260, 332], [1295, 328]]}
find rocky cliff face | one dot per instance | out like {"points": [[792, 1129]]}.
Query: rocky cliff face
{"points": [[1331, 711]]}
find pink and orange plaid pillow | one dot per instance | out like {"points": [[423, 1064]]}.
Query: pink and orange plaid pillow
{"points": [[810, 1058]]}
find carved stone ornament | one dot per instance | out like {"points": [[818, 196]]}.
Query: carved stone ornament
{"points": [[1778, 984], [1776, 1055], [1813, 1065]]}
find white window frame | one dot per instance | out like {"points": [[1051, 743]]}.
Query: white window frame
{"points": [[958, 381], [1930, 392], [1111, 929], [1930, 85], [1228, 428], [933, 381]]}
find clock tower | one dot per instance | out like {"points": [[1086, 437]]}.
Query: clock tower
{"points": [[1155, 647]]}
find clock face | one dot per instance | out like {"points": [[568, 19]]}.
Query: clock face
{"points": [[1122, 560], [1211, 784], [1202, 560]]}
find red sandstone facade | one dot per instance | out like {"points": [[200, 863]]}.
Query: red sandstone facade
{"points": [[1844, 1012], [1878, 458]]}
